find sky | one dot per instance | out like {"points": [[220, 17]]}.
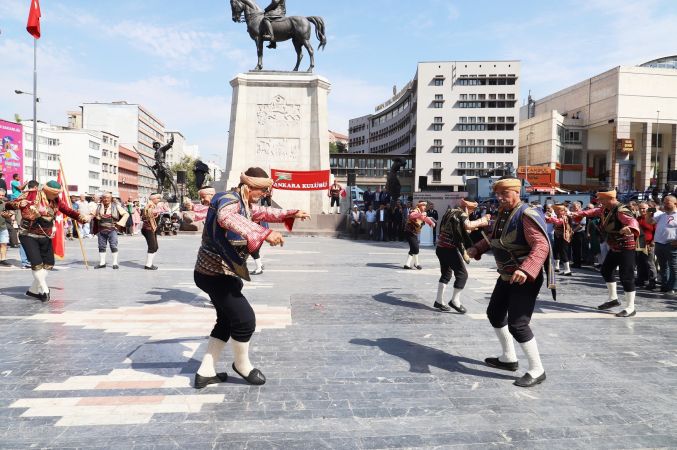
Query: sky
{"points": [[177, 57]]}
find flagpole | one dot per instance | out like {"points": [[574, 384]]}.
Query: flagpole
{"points": [[76, 223], [35, 109]]}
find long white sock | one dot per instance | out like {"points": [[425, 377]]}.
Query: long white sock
{"points": [[557, 264], [456, 298], [440, 292], [35, 287], [241, 357], [531, 351], [149, 259], [629, 301], [416, 260], [102, 258], [567, 268], [613, 293], [214, 349], [409, 260], [115, 258], [42, 279], [259, 264], [508, 346]]}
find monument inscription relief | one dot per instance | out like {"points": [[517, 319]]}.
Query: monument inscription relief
{"points": [[278, 149], [278, 112]]}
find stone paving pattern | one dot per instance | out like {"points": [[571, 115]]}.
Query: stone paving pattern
{"points": [[354, 354]]}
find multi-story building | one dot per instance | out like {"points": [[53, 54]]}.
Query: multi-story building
{"points": [[618, 128], [128, 173], [135, 127], [109, 163], [78, 150], [459, 119]]}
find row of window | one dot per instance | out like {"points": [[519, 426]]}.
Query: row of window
{"points": [[388, 116], [109, 154], [485, 127], [43, 140], [485, 82], [484, 150], [111, 183], [150, 120], [107, 168], [486, 96], [488, 104], [110, 140], [491, 119], [480, 142]]}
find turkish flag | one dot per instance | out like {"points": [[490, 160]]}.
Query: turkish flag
{"points": [[59, 234], [33, 25]]}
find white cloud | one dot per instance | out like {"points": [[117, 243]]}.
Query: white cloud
{"points": [[14, 10]]}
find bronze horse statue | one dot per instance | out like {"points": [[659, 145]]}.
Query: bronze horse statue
{"points": [[296, 28]]}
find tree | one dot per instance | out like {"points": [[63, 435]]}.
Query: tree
{"points": [[337, 147], [186, 164]]}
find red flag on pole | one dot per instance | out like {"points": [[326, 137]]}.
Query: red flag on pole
{"points": [[33, 25], [59, 236]]}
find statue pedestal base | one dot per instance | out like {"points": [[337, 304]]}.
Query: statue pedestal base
{"points": [[278, 121]]}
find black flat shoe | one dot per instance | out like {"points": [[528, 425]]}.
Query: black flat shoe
{"points": [[609, 304], [34, 295], [201, 381], [498, 364], [625, 313], [150, 268], [44, 297], [255, 376], [442, 307], [100, 266], [406, 267], [116, 267], [569, 274], [461, 309], [418, 267], [528, 381]]}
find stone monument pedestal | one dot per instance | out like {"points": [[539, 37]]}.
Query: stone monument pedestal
{"points": [[279, 121]]}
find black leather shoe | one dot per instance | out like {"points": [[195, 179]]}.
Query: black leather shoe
{"points": [[461, 309], [406, 267], [442, 307], [201, 381], [498, 364], [609, 304], [418, 267], [651, 286], [625, 313], [116, 267], [100, 266], [528, 381], [34, 295], [150, 268], [254, 377], [44, 297], [568, 274]]}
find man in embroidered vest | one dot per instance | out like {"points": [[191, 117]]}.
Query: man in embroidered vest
{"points": [[415, 220], [521, 248], [154, 209], [107, 216], [563, 233], [38, 209], [230, 235], [621, 230], [452, 243]]}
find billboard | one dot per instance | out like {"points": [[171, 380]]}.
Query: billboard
{"points": [[294, 180], [12, 151]]}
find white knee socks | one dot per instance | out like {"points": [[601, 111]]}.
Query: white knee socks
{"points": [[259, 264], [35, 287], [557, 264], [241, 357], [567, 268], [416, 260], [505, 338], [613, 293], [214, 349], [456, 298], [410, 259], [630, 301], [115, 258], [41, 276], [440, 292], [102, 259], [531, 351], [149, 259]]}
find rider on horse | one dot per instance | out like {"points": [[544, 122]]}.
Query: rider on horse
{"points": [[275, 11]]}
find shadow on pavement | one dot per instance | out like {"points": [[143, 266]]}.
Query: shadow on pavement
{"points": [[385, 265], [421, 357], [388, 299], [177, 295]]}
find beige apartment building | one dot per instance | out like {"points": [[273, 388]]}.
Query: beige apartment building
{"points": [[617, 128]]}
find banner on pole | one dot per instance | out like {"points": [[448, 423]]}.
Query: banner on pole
{"points": [[294, 180], [12, 156], [33, 24], [59, 235]]}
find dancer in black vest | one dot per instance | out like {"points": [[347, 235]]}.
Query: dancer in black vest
{"points": [[107, 217]]}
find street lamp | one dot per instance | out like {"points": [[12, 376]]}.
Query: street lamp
{"points": [[658, 114], [526, 166], [35, 124]]}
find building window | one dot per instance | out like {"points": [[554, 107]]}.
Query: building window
{"points": [[437, 172], [438, 120], [437, 146], [93, 175], [571, 156], [660, 140], [438, 81], [437, 127], [93, 160], [93, 145]]}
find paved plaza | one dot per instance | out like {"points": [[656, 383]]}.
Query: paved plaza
{"points": [[354, 353]]}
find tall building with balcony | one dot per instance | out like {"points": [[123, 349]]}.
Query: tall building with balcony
{"points": [[459, 119], [128, 173], [618, 128], [136, 127], [109, 163]]}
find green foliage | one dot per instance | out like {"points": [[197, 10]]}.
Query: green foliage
{"points": [[337, 147], [187, 164]]}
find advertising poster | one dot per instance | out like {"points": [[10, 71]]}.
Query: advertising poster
{"points": [[291, 180], [12, 156]]}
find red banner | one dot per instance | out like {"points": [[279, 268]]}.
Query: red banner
{"points": [[291, 180], [59, 236]]}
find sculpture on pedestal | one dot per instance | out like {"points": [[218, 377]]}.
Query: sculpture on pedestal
{"points": [[393, 185], [273, 25], [161, 170], [200, 170]]}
